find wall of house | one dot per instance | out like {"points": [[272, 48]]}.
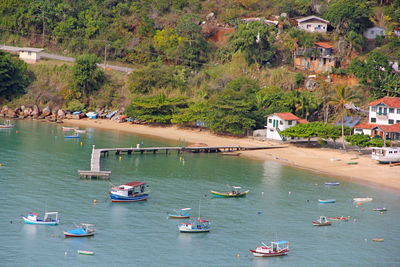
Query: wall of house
{"points": [[29, 56], [381, 114], [317, 65], [313, 26], [371, 33], [274, 122]]}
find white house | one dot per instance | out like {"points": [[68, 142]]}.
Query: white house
{"points": [[313, 24], [278, 122], [384, 117], [29, 54], [373, 32]]}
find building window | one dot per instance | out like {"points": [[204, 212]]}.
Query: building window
{"points": [[270, 120], [398, 111], [390, 121], [289, 122], [281, 122], [397, 121], [391, 110], [373, 119], [373, 109]]}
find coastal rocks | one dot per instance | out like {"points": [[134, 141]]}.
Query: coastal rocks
{"points": [[35, 112], [60, 114], [45, 113], [4, 111]]}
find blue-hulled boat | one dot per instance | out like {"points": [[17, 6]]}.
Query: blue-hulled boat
{"points": [[130, 192], [32, 218], [324, 201], [195, 226], [85, 229], [72, 136]]}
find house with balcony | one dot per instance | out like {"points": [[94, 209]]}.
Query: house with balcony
{"points": [[278, 122], [320, 58], [383, 119]]}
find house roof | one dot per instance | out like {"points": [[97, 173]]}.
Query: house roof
{"points": [[302, 121], [287, 116], [324, 45], [386, 128], [366, 125], [301, 20], [392, 102], [31, 49]]}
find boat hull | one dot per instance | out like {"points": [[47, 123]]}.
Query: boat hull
{"points": [[227, 195], [363, 199], [174, 216], [78, 235], [269, 254], [321, 224], [184, 230], [39, 222], [85, 252], [118, 198], [332, 184], [326, 201]]}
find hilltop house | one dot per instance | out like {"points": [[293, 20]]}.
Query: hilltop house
{"points": [[278, 122], [29, 54], [313, 24], [384, 117], [373, 32], [317, 59]]}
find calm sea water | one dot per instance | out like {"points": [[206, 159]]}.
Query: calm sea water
{"points": [[39, 171]]}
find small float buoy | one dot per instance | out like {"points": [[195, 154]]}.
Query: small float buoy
{"points": [[16, 132], [290, 192], [354, 220], [81, 144], [95, 201], [0, 165], [238, 255], [180, 158], [120, 158], [262, 193], [259, 212], [359, 204], [365, 239], [52, 236], [381, 211], [65, 253], [308, 200], [11, 222]]}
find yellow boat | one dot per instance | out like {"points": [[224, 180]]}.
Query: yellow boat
{"points": [[236, 192]]}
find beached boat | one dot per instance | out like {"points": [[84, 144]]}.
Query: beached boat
{"points": [[130, 192], [72, 136], [85, 252], [7, 125], [277, 248], [380, 209], [235, 192], [195, 226], [33, 218], [79, 131], [339, 219], [362, 199], [325, 201], [85, 229], [68, 128], [180, 214], [332, 183], [91, 115], [322, 221], [386, 154]]}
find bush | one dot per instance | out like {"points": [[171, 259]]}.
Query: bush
{"points": [[75, 105], [322, 142]]}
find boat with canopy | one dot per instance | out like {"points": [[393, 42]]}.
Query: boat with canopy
{"points": [[33, 218], [130, 192], [83, 230], [277, 248]]}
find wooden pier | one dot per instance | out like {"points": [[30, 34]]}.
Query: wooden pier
{"points": [[95, 170]]}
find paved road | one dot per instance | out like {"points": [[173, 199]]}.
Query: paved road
{"points": [[14, 49]]}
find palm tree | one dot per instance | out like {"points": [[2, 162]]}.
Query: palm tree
{"points": [[340, 100]]}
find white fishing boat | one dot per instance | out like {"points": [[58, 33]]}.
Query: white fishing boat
{"points": [[195, 226], [33, 218], [277, 248], [362, 199], [386, 154], [7, 125]]}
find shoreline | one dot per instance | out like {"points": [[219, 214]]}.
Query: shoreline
{"points": [[323, 161]]}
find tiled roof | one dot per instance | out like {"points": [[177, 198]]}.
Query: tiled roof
{"points": [[392, 102], [302, 121], [386, 128], [287, 116], [324, 45], [366, 125]]}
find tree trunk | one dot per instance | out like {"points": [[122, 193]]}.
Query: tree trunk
{"points": [[341, 115]]}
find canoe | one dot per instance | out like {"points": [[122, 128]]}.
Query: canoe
{"points": [[340, 219], [362, 199], [85, 252], [352, 163], [334, 183], [324, 201], [380, 209], [321, 224], [377, 239], [229, 194]]}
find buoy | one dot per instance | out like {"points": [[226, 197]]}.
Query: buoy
{"points": [[0, 165], [262, 193], [238, 255], [52, 236], [81, 144], [16, 132], [381, 211], [94, 201], [354, 220], [259, 212], [290, 192], [65, 253], [120, 158], [359, 204]]}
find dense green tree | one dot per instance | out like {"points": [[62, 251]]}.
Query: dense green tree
{"points": [[14, 76], [359, 140], [87, 77], [196, 111]]}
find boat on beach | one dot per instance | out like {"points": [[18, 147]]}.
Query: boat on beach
{"points": [[33, 218], [277, 248], [235, 192], [83, 230], [180, 214], [130, 192], [339, 219], [72, 136], [332, 183], [322, 221], [68, 128], [7, 125], [79, 131], [325, 201], [362, 199]]}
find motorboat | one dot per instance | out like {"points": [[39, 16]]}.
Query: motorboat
{"points": [[362, 199], [180, 214], [235, 192], [339, 219], [277, 248], [83, 230], [33, 218], [130, 192], [322, 221], [195, 226], [7, 125], [325, 201]]}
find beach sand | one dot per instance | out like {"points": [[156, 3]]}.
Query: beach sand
{"points": [[325, 161]]}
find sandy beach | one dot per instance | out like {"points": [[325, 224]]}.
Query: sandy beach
{"points": [[320, 160]]}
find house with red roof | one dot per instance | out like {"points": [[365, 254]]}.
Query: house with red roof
{"points": [[318, 59], [278, 122], [383, 119]]}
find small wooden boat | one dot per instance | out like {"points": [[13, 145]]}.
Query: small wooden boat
{"points": [[72, 136], [380, 209], [325, 201], [85, 229], [322, 221], [340, 219], [236, 192], [32, 218], [377, 239], [352, 163], [332, 183], [278, 248], [85, 252], [195, 226], [130, 192], [362, 199], [79, 131], [68, 128], [180, 214], [7, 125]]}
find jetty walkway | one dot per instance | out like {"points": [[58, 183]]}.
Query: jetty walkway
{"points": [[95, 170]]}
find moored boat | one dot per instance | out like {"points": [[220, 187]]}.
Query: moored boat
{"points": [[79, 131], [340, 219], [85, 252], [332, 183], [235, 192], [32, 218], [325, 201], [362, 199], [322, 221], [180, 214], [85, 229], [195, 226], [7, 125], [380, 209], [68, 128], [277, 248], [130, 192], [72, 136]]}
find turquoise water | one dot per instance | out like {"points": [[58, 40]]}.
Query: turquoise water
{"points": [[39, 170]]}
